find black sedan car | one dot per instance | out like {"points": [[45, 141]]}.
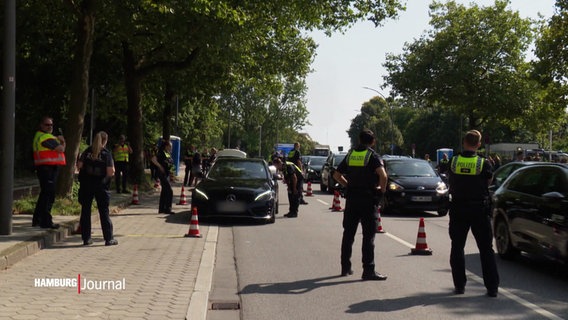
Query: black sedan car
{"points": [[530, 212], [312, 168], [237, 187], [414, 185], [504, 171], [332, 161]]}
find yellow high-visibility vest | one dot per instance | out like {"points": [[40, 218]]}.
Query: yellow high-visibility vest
{"points": [[46, 156], [470, 166], [120, 153], [358, 158]]}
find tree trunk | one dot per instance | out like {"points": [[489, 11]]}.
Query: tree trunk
{"points": [[79, 93], [132, 83]]}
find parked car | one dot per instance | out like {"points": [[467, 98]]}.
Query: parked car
{"points": [[414, 185], [530, 212], [312, 168], [237, 187], [332, 161]]}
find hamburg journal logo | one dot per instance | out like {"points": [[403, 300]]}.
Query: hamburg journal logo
{"points": [[81, 284]]}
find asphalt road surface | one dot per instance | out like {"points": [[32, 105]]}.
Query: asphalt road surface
{"points": [[290, 270]]}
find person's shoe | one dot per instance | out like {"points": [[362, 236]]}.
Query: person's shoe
{"points": [[303, 202], [88, 242], [373, 276], [291, 215], [492, 293], [459, 290], [345, 273], [52, 226], [112, 242]]}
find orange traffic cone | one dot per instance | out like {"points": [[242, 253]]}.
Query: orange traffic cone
{"points": [[309, 193], [135, 195], [193, 225], [421, 247], [182, 199], [379, 224], [336, 202]]}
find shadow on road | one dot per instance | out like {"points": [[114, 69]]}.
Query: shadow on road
{"points": [[294, 287]]}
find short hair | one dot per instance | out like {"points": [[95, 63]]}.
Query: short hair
{"points": [[366, 136], [472, 138]]}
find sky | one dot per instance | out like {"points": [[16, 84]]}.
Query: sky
{"points": [[345, 63]]}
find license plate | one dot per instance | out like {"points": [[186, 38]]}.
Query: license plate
{"points": [[421, 199], [231, 206]]}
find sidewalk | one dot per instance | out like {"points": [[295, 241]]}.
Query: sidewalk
{"points": [[154, 272]]}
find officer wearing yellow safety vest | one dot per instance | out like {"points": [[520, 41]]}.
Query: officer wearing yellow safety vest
{"points": [[295, 156], [292, 177], [120, 154], [470, 176], [49, 155], [363, 175]]}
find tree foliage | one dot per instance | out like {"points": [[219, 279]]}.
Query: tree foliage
{"points": [[472, 61]]}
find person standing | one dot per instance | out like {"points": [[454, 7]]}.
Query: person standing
{"points": [[164, 163], [470, 176], [187, 158], [292, 174], [365, 187], [295, 156], [49, 155], [444, 164], [121, 153], [96, 169], [195, 167]]}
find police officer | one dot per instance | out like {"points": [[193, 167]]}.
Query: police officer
{"points": [[295, 156], [292, 174], [470, 176], [48, 153], [121, 152], [96, 169], [363, 175], [165, 164]]}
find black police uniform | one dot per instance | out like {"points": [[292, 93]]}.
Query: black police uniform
{"points": [[167, 194], [295, 156], [95, 184], [362, 200], [291, 169], [470, 209]]}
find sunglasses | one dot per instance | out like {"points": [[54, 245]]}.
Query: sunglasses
{"points": [[48, 124]]}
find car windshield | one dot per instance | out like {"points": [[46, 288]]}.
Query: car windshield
{"points": [[410, 169], [235, 169], [317, 162]]}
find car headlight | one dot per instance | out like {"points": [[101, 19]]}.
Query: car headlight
{"points": [[311, 170], [395, 187], [441, 188], [265, 196], [201, 194]]}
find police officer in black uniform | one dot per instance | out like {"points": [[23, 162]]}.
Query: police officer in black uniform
{"points": [[363, 175], [96, 169], [295, 156], [292, 175], [470, 176]]}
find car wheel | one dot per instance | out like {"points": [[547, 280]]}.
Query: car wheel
{"points": [[503, 243], [443, 211]]}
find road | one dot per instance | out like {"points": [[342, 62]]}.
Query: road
{"points": [[290, 270]]}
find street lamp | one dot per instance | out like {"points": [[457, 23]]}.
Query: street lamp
{"points": [[259, 141], [391, 120]]}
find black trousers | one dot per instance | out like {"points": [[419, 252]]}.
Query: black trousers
{"points": [[47, 176], [167, 194], [462, 219], [121, 175], [359, 209], [96, 189]]}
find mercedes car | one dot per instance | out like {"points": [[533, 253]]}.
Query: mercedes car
{"points": [[237, 188]]}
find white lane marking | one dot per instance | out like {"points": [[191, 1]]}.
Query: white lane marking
{"points": [[503, 291], [321, 201]]}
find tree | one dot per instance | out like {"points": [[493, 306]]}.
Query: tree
{"points": [[471, 62]]}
